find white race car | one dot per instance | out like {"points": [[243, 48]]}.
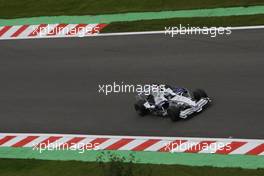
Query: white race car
{"points": [[175, 102]]}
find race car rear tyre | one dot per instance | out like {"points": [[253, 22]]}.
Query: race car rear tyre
{"points": [[174, 113], [140, 108], [198, 94]]}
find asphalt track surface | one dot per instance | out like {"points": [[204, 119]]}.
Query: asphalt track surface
{"points": [[51, 85]]}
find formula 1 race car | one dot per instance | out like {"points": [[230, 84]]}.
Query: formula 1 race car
{"points": [[174, 102]]}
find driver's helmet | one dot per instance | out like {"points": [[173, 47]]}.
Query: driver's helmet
{"points": [[180, 90]]}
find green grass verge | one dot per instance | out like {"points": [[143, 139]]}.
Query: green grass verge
{"points": [[156, 25], [140, 157], [31, 8], [21, 167]]}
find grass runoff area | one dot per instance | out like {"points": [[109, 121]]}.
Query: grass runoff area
{"points": [[159, 25], [33, 8], [30, 167]]}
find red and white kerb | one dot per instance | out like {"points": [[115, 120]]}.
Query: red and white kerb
{"points": [[134, 143], [49, 31]]}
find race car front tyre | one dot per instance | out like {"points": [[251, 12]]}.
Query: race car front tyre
{"points": [[140, 108], [174, 113], [198, 94]]}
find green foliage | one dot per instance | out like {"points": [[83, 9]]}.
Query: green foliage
{"points": [[116, 165]]}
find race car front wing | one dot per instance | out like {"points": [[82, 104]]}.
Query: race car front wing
{"points": [[196, 108]]}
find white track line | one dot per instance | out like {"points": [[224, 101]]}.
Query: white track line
{"points": [[129, 33], [163, 32]]}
